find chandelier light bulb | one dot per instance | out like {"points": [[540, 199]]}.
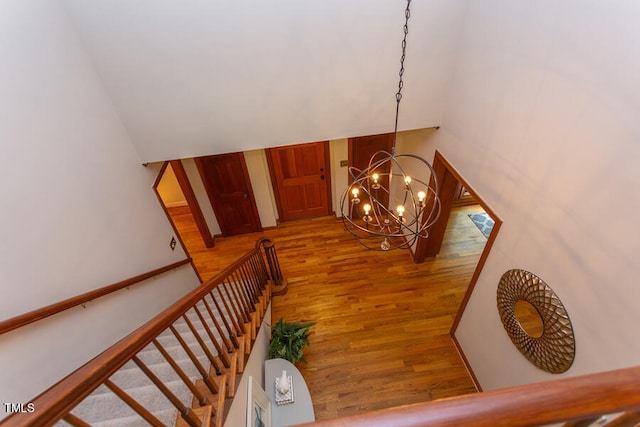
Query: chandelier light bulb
{"points": [[355, 193], [366, 209], [407, 180], [375, 185], [400, 210], [422, 196]]}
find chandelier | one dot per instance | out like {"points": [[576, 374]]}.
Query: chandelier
{"points": [[394, 201]]}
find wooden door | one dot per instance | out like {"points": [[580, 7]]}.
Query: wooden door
{"points": [[362, 148], [226, 180], [300, 177]]}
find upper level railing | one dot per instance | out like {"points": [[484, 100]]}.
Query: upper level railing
{"points": [[584, 397], [225, 308]]}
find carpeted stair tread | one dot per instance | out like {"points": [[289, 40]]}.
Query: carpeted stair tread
{"points": [[96, 408], [134, 377], [188, 337], [167, 417], [102, 408], [154, 357]]}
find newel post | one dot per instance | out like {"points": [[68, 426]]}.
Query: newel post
{"points": [[274, 271]]}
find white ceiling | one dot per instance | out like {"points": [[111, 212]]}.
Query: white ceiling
{"points": [[202, 77]]}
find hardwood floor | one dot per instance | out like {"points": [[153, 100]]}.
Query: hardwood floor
{"points": [[381, 337]]}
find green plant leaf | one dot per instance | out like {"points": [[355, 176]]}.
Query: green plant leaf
{"points": [[288, 340]]}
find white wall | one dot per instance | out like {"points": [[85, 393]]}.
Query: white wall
{"points": [[338, 150], [191, 169], [256, 161], [78, 207], [254, 367], [253, 74], [543, 123]]}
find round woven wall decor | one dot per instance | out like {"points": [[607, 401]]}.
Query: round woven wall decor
{"points": [[555, 349]]}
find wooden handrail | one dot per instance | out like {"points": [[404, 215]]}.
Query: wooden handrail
{"points": [[63, 396], [534, 404], [50, 310]]}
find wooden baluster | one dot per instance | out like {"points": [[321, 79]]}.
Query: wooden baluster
{"points": [[213, 387], [261, 276], [249, 322], [238, 287], [232, 334], [187, 413], [581, 423], [239, 324], [222, 354], [254, 289], [258, 273], [240, 318], [214, 360], [258, 286], [251, 286], [75, 421], [628, 419], [252, 276], [252, 292], [202, 400], [133, 404], [225, 340]]}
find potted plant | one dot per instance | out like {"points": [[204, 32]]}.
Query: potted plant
{"points": [[288, 340]]}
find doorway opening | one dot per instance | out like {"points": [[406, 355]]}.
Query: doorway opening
{"points": [[179, 202], [451, 183]]}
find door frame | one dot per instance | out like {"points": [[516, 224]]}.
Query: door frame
{"points": [[274, 182], [449, 179], [192, 202]]}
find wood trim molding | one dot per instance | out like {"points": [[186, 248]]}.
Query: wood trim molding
{"points": [[449, 177], [466, 363], [274, 183], [50, 310], [192, 201]]}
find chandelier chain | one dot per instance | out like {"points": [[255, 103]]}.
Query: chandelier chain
{"points": [[407, 15]]}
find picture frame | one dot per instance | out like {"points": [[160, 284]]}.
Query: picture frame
{"points": [[258, 405]]}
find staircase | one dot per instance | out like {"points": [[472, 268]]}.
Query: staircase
{"points": [[103, 408], [179, 369]]}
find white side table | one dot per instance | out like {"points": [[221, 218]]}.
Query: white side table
{"points": [[298, 412]]}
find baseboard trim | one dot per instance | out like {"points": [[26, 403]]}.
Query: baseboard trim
{"points": [[465, 362]]}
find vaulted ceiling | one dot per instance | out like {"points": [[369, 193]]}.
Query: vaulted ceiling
{"points": [[202, 77]]}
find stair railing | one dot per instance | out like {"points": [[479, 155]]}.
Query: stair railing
{"points": [[50, 310], [229, 306]]}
